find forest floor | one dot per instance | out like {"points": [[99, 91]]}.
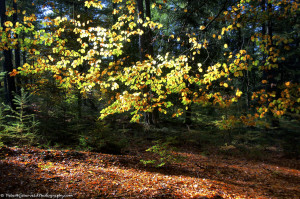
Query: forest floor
{"points": [[75, 174]]}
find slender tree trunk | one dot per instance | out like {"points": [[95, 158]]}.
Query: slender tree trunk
{"points": [[269, 74], [150, 51], [188, 115], [115, 17], [272, 73], [79, 104], [8, 64], [24, 60], [148, 33], [141, 36], [142, 49], [17, 49]]}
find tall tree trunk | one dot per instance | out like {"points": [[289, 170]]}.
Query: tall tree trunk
{"points": [[269, 74], [141, 36], [8, 64], [272, 73], [150, 51], [17, 49], [142, 49], [189, 111]]}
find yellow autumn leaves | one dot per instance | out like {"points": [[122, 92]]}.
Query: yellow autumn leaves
{"points": [[8, 24]]}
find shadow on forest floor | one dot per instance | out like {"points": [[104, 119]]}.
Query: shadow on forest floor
{"points": [[96, 175]]}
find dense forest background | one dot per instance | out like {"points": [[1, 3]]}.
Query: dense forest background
{"points": [[189, 70], [149, 77]]}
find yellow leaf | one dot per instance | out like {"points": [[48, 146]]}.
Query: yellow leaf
{"points": [[8, 24], [219, 37], [264, 81], [238, 93], [185, 10], [202, 27], [178, 38], [140, 21], [225, 85], [223, 31], [225, 46], [153, 5]]}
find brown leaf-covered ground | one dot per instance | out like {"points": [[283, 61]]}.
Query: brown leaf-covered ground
{"points": [[31, 171]]}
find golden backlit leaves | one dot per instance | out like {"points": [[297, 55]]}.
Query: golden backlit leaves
{"points": [[13, 73], [8, 24], [238, 93], [166, 75]]}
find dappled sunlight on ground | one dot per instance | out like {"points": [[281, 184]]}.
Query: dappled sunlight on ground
{"points": [[96, 175]]}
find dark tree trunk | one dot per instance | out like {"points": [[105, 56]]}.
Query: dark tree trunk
{"points": [[115, 17], [150, 117], [269, 74], [189, 111], [188, 115], [17, 49], [149, 49], [273, 72], [10, 85], [79, 104], [141, 36], [148, 34]]}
